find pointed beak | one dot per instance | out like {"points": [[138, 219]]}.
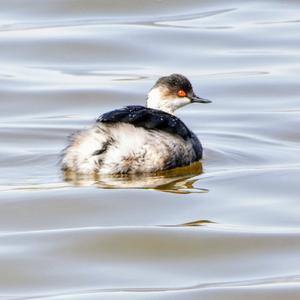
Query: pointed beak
{"points": [[196, 99]]}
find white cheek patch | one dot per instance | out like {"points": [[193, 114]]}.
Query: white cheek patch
{"points": [[157, 101], [176, 103], [180, 101]]}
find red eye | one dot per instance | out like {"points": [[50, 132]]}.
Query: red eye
{"points": [[181, 93]]}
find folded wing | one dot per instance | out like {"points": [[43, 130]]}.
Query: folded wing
{"points": [[147, 118]]}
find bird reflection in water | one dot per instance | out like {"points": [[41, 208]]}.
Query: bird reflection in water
{"points": [[178, 180]]}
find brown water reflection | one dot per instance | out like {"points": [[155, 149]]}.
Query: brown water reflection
{"points": [[177, 180]]}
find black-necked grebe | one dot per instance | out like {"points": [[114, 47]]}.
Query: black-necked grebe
{"points": [[138, 139]]}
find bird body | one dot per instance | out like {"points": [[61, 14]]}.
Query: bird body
{"points": [[137, 139]]}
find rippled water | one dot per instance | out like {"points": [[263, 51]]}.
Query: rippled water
{"points": [[227, 229]]}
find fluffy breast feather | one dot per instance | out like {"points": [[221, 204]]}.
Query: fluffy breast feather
{"points": [[119, 148]]}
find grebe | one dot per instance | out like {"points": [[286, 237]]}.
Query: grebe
{"points": [[139, 139]]}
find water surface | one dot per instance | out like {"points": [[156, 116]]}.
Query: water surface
{"points": [[228, 229]]}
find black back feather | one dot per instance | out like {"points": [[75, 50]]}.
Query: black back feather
{"points": [[147, 118]]}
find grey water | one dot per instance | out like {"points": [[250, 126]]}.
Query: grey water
{"points": [[228, 229]]}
